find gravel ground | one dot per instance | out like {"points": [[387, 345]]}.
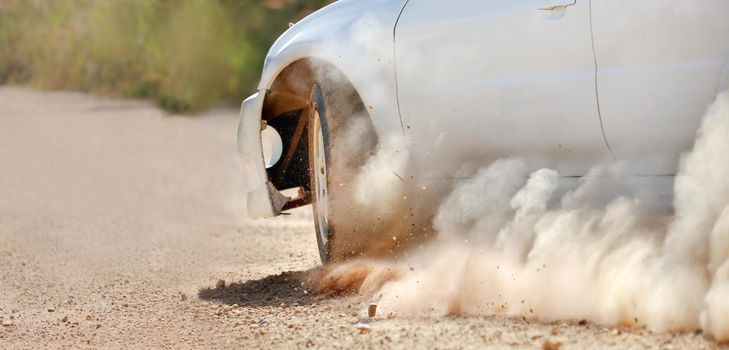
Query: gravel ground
{"points": [[123, 227]]}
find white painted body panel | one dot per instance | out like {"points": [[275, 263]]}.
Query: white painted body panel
{"points": [[258, 198], [486, 79], [724, 81], [659, 65], [470, 81]]}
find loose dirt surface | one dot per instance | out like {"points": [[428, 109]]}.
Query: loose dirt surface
{"points": [[124, 227]]}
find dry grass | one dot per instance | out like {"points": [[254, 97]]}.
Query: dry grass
{"points": [[184, 54]]}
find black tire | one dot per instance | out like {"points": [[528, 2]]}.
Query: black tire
{"points": [[341, 234], [317, 114]]}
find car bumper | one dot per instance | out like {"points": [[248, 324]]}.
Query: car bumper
{"points": [[264, 200]]}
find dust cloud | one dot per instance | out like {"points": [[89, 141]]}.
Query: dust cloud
{"points": [[379, 183], [509, 242]]}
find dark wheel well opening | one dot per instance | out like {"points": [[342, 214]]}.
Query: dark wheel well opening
{"points": [[286, 109]]}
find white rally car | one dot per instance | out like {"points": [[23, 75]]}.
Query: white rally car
{"points": [[565, 83]]}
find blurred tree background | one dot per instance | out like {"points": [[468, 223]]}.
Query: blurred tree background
{"points": [[184, 54]]}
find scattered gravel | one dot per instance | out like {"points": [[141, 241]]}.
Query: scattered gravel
{"points": [[220, 284], [123, 207]]}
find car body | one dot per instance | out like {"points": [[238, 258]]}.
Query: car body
{"points": [[563, 83]]}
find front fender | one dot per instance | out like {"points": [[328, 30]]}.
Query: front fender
{"points": [[263, 200], [356, 37]]}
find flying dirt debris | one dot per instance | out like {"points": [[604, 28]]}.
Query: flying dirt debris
{"points": [[601, 252], [129, 238], [512, 174]]}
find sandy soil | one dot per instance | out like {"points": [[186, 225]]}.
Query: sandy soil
{"points": [[117, 223]]}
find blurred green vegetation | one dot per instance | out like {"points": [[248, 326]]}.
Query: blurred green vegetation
{"points": [[184, 54]]}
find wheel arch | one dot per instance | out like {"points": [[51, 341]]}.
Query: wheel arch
{"points": [[286, 109], [350, 43]]}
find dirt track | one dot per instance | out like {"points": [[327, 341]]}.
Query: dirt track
{"points": [[117, 221]]}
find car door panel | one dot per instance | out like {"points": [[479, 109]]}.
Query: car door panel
{"points": [[723, 85], [485, 79], [659, 64]]}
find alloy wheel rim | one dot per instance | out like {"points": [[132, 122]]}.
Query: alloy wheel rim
{"points": [[320, 180]]}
